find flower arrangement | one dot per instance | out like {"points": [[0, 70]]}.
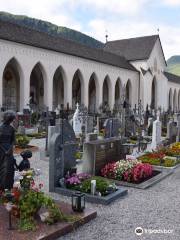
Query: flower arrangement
{"points": [[109, 170], [163, 156], [127, 170], [26, 200], [75, 180], [138, 173], [82, 182]]}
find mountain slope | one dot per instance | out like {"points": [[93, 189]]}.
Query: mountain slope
{"points": [[51, 29], [174, 65]]}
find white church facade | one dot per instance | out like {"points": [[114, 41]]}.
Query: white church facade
{"points": [[52, 71]]}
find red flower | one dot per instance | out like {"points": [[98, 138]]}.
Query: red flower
{"points": [[138, 172], [109, 170]]}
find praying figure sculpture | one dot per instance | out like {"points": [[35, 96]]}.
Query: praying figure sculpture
{"points": [[7, 161]]}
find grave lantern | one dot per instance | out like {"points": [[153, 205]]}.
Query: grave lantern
{"points": [[78, 202]]}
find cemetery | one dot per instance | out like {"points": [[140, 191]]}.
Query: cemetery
{"points": [[94, 158]]}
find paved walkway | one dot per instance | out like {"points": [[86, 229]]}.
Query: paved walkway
{"points": [[155, 208]]}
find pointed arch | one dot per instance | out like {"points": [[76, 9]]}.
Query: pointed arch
{"points": [[59, 85], [170, 100], [154, 94], [107, 87], [118, 90], [38, 85], [175, 101], [129, 92], [179, 100], [12, 84], [77, 88], [92, 92]]}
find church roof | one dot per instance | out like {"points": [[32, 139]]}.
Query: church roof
{"points": [[24, 35], [138, 48], [172, 77]]}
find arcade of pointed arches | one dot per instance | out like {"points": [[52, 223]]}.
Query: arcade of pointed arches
{"points": [[174, 99], [13, 81]]}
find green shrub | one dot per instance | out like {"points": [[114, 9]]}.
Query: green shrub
{"points": [[22, 141], [78, 155], [34, 118], [169, 162], [134, 138], [152, 161], [101, 185], [37, 135]]}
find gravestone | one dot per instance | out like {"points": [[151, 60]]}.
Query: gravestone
{"points": [[98, 153], [77, 121], [89, 124], [156, 134], [112, 126], [62, 149], [91, 137], [171, 131]]}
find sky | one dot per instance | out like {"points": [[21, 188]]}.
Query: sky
{"points": [[119, 18]]}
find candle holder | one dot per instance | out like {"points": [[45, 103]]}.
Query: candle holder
{"points": [[78, 202]]}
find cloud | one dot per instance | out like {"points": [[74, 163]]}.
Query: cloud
{"points": [[129, 29], [122, 18], [172, 3], [127, 7]]}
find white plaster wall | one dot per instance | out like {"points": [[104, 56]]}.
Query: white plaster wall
{"points": [[146, 80], [162, 82], [28, 56]]}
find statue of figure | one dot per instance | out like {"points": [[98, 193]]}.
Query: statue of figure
{"points": [[7, 161]]}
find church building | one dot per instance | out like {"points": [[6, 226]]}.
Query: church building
{"points": [[50, 71]]}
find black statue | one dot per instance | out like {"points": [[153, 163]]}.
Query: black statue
{"points": [[25, 164], [7, 161]]}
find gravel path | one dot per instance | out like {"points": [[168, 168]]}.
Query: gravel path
{"points": [[155, 208]]}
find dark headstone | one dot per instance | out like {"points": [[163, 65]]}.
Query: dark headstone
{"points": [[171, 131], [112, 126], [89, 124], [62, 150]]}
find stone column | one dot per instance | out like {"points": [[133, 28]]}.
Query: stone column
{"points": [[68, 93], [48, 93], [25, 88], [85, 94], [112, 96], [2, 67], [99, 95]]}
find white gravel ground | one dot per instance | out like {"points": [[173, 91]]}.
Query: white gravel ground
{"points": [[156, 208]]}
